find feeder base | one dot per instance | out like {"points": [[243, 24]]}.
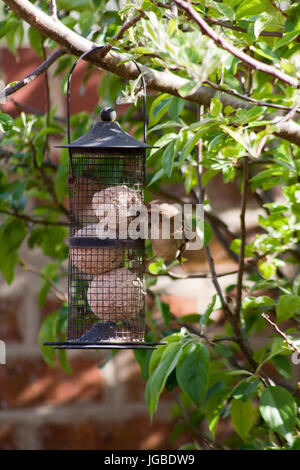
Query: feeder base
{"points": [[103, 345]]}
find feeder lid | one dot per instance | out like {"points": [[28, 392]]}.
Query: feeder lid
{"points": [[106, 134]]}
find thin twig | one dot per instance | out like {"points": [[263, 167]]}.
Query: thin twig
{"points": [[290, 115], [202, 439], [48, 182], [27, 218], [48, 104], [227, 24], [210, 260], [201, 334], [275, 5], [57, 292], [239, 287], [128, 24], [227, 46], [33, 75], [32, 110], [236, 325], [291, 344], [211, 216], [232, 92], [193, 276], [250, 81]]}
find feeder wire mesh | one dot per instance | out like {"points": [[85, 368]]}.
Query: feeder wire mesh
{"points": [[106, 294]]}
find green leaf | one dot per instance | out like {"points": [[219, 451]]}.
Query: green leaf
{"points": [[215, 107], [192, 372], [52, 242], [158, 108], [78, 5], [48, 334], [257, 304], [283, 366], [143, 359], [160, 350], [278, 408], [238, 136], [172, 25], [242, 417], [261, 22], [157, 267], [248, 8], [43, 293], [39, 154], [12, 234], [191, 318], [63, 361], [287, 307], [225, 9], [168, 158], [208, 233], [176, 105], [235, 246], [163, 141], [223, 350], [164, 308], [157, 380], [188, 88], [211, 306], [267, 269], [216, 397], [35, 41], [245, 389], [60, 181], [287, 38], [276, 348], [156, 176], [7, 266], [6, 122]]}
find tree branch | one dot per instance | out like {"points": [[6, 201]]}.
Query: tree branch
{"points": [[118, 64], [38, 71], [255, 64]]}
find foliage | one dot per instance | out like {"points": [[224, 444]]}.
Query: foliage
{"points": [[213, 378]]}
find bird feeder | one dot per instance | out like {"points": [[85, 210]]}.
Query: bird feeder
{"points": [[106, 294]]}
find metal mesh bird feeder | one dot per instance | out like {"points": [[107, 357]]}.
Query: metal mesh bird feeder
{"points": [[106, 296]]}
